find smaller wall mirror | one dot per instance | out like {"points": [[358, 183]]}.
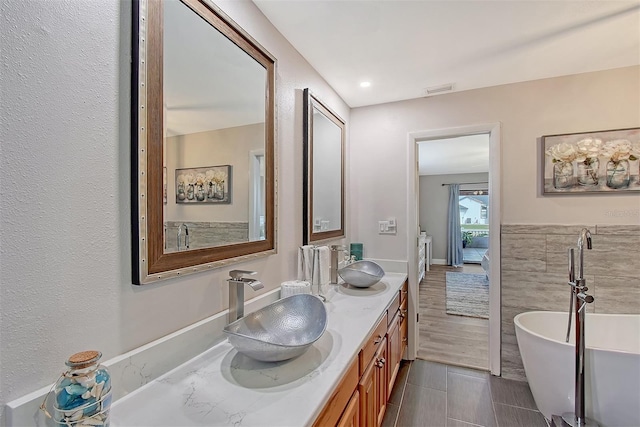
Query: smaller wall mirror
{"points": [[323, 190]]}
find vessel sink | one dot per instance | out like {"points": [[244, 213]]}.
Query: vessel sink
{"points": [[361, 274], [280, 331]]}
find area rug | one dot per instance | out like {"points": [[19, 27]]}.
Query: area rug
{"points": [[467, 294]]}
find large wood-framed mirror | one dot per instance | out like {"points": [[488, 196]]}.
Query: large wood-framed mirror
{"points": [[323, 188], [203, 133]]}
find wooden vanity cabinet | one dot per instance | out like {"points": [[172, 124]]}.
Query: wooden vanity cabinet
{"points": [[373, 389], [360, 399], [404, 328], [394, 350], [351, 415], [335, 412]]}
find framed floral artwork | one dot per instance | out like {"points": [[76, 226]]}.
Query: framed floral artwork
{"points": [[592, 162], [210, 184]]}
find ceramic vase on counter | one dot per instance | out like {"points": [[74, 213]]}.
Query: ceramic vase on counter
{"points": [[83, 392]]}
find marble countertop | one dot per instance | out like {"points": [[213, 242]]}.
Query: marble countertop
{"points": [[224, 387]]}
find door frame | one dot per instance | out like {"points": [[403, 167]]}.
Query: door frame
{"points": [[495, 220]]}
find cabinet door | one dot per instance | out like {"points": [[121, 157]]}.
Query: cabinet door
{"points": [[368, 401], [340, 398], [351, 415], [381, 382], [404, 325], [394, 348]]}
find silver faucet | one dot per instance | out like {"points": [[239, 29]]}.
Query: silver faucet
{"points": [[186, 235], [333, 268], [585, 234], [236, 292], [579, 299]]}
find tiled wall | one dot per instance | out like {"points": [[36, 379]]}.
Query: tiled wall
{"points": [[207, 234], [535, 275]]}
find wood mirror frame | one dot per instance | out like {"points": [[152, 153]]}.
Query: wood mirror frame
{"points": [[150, 262], [311, 236]]}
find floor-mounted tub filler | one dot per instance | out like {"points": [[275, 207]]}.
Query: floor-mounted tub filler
{"points": [[612, 368]]}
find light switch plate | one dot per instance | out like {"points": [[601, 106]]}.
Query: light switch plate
{"points": [[387, 227]]}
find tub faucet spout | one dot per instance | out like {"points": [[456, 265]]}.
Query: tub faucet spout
{"points": [[186, 236], [585, 235]]}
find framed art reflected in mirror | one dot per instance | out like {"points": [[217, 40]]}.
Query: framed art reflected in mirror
{"points": [[210, 184]]}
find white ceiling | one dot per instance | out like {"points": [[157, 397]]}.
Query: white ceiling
{"points": [[465, 154], [403, 47]]}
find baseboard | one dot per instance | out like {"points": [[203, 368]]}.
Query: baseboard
{"points": [[438, 261]]}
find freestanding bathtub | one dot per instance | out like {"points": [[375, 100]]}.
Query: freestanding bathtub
{"points": [[612, 365]]}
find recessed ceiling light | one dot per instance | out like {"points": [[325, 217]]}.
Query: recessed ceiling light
{"points": [[365, 84]]}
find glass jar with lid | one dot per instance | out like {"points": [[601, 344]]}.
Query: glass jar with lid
{"points": [[83, 393]]}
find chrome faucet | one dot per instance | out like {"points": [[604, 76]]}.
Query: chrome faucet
{"points": [[585, 234], [186, 235], [335, 262], [579, 300], [236, 292]]}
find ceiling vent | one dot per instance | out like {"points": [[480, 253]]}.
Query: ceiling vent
{"points": [[434, 90]]}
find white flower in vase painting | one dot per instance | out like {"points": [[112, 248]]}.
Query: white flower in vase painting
{"points": [[563, 152], [617, 150]]}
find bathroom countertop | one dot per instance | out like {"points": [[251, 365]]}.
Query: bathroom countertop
{"points": [[224, 387]]}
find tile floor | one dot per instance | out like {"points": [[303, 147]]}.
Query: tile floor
{"points": [[433, 394]]}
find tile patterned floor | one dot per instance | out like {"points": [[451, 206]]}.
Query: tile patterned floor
{"points": [[438, 395]]}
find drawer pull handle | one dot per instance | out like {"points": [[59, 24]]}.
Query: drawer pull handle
{"points": [[404, 340], [380, 362], [378, 339], [402, 314]]}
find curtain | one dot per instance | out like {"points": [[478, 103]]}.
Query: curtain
{"points": [[454, 235]]}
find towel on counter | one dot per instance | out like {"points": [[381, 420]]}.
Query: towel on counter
{"points": [[305, 263], [321, 264], [294, 287]]}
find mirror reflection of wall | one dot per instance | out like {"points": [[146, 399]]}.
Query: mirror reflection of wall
{"points": [[323, 192], [327, 178], [214, 114], [257, 195]]}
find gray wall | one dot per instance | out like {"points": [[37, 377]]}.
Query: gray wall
{"points": [[534, 275], [434, 204]]}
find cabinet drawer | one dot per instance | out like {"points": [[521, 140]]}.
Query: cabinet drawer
{"points": [[373, 343], [393, 309]]}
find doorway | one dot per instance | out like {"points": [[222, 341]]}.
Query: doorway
{"points": [[492, 212], [474, 222]]}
